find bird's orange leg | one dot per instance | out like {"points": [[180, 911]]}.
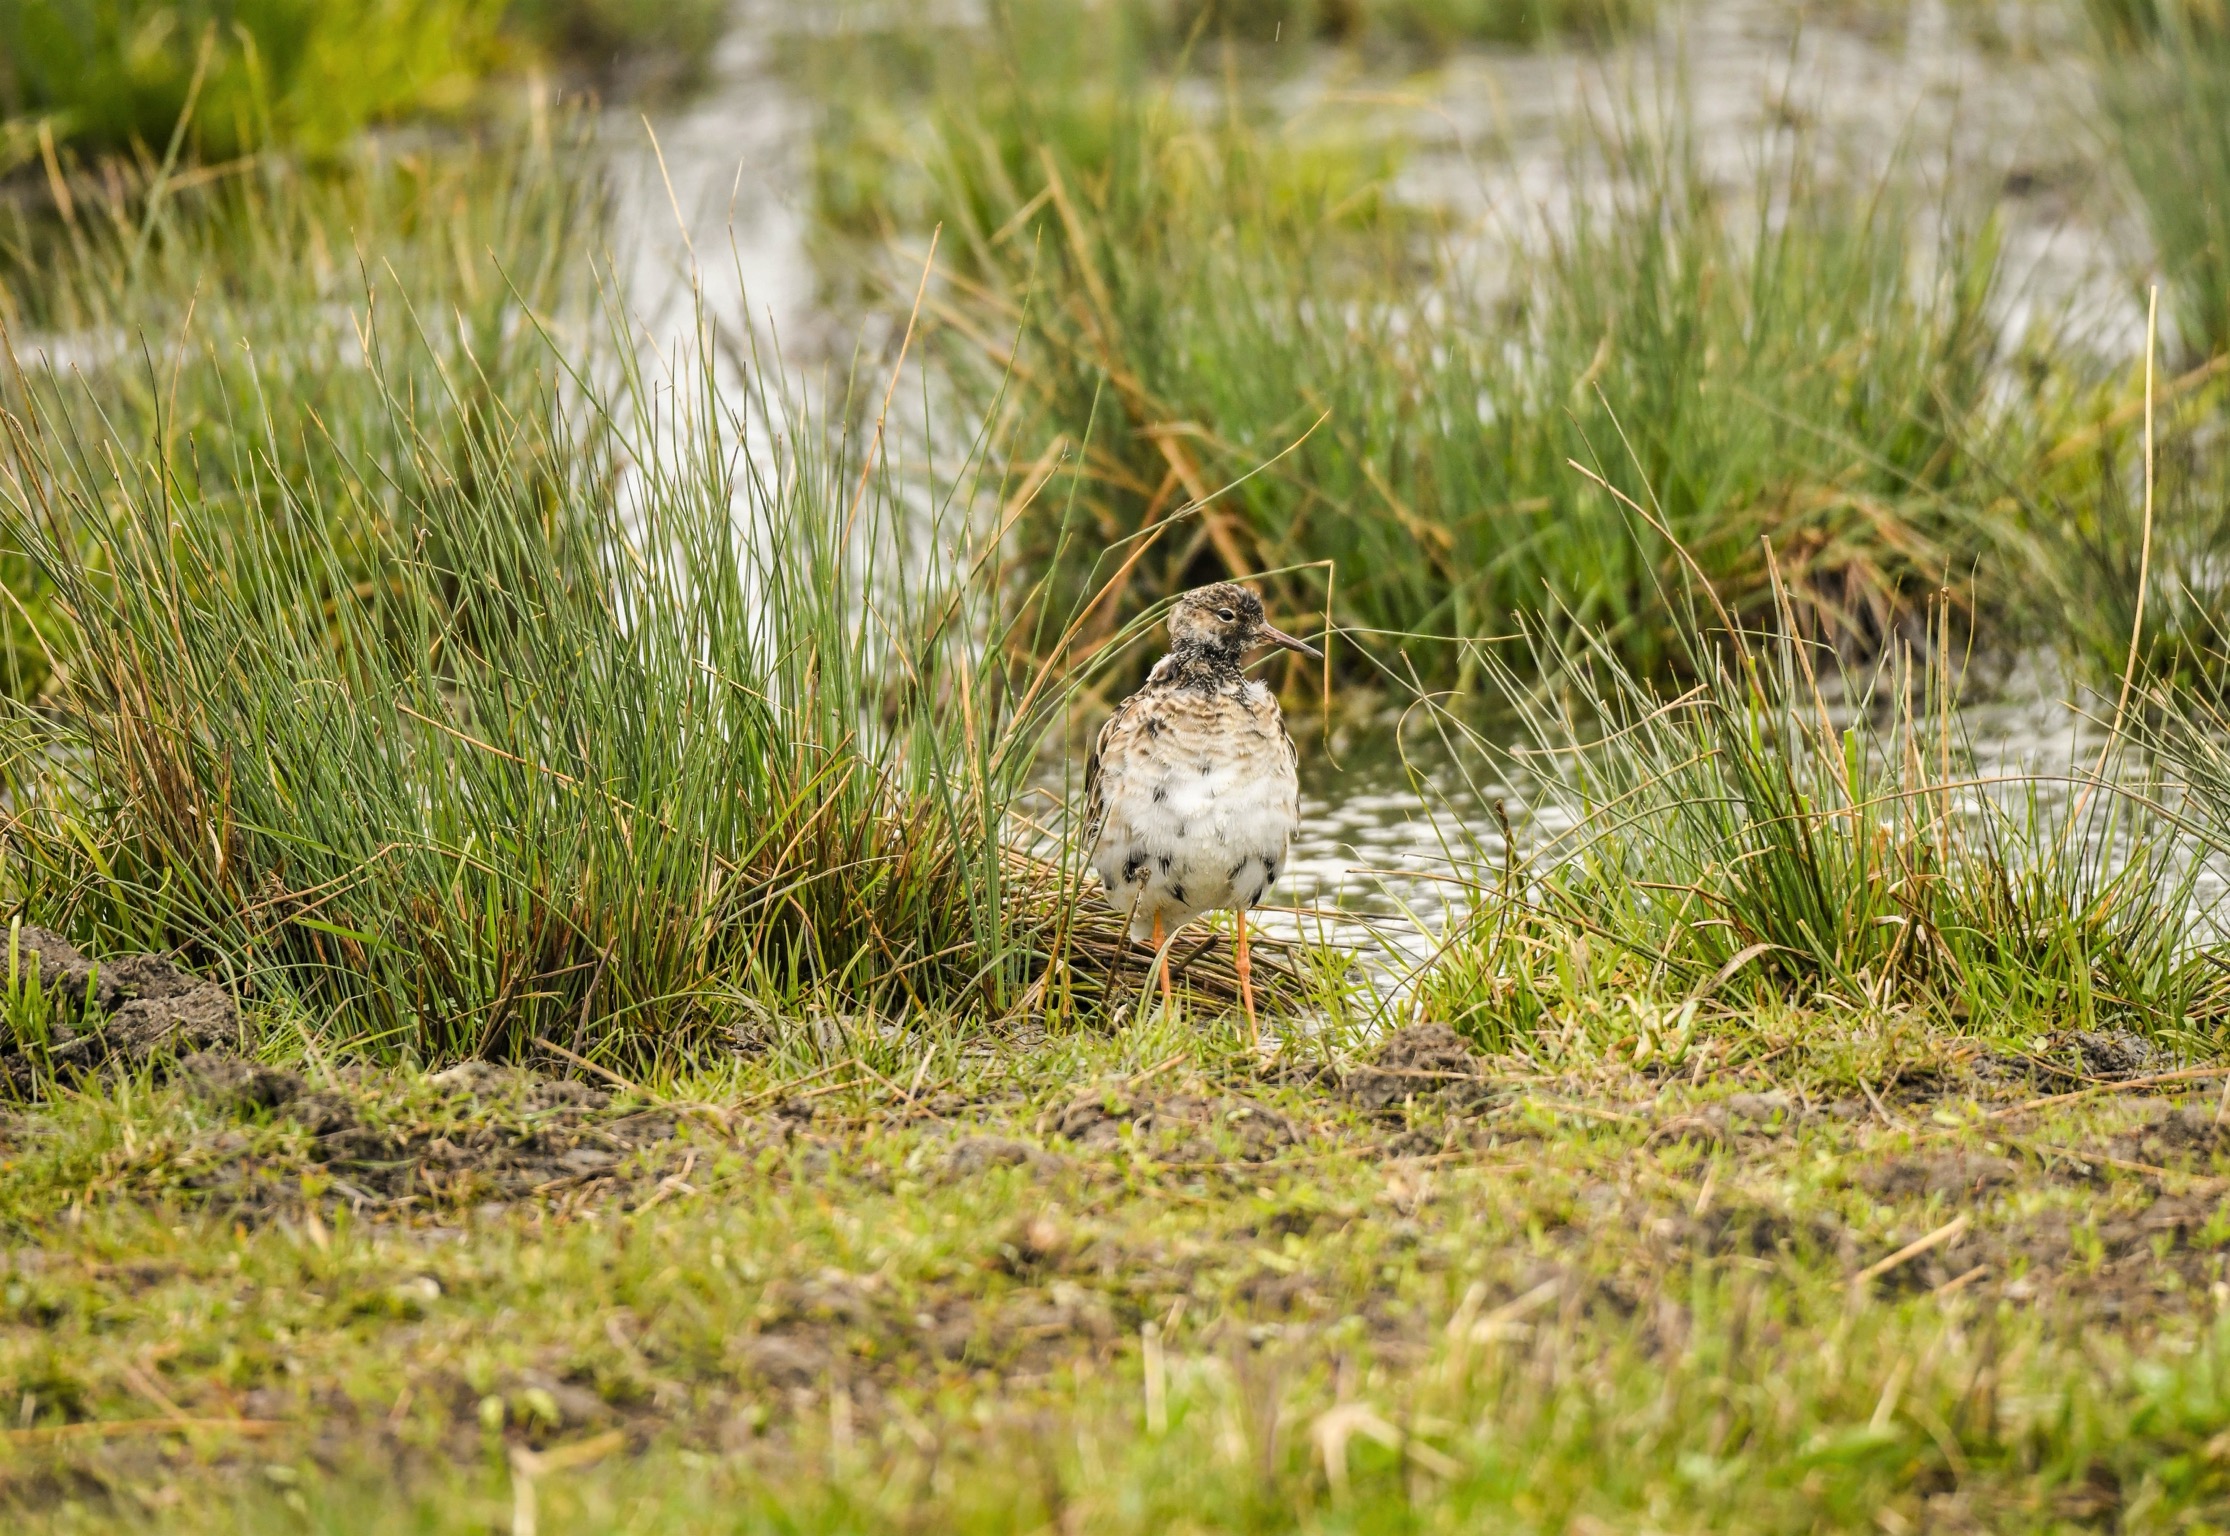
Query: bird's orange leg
{"points": [[1168, 995], [1246, 981]]}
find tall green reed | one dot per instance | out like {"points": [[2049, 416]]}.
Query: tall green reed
{"points": [[2164, 89], [2188, 731], [554, 701], [2164, 69], [2094, 553], [176, 319]]}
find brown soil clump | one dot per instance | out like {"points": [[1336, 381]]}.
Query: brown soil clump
{"points": [[1175, 1128], [2111, 1055], [1956, 1176], [972, 1156], [229, 1077], [2174, 1134], [115, 1014], [498, 1134], [1425, 1061], [468, 1136]]}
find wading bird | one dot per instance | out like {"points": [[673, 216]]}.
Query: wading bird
{"points": [[1191, 793]]}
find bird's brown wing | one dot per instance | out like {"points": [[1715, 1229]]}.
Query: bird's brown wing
{"points": [[1269, 704], [1095, 764]]}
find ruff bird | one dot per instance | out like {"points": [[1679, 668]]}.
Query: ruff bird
{"points": [[1191, 793]]}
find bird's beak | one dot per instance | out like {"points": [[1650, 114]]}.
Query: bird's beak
{"points": [[1280, 637]]}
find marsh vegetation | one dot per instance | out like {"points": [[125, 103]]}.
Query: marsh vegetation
{"points": [[630, 1042]]}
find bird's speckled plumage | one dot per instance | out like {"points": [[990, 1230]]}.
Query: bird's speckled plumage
{"points": [[1192, 790]]}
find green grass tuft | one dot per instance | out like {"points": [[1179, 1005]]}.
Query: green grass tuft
{"points": [[465, 686], [2164, 70], [1771, 836]]}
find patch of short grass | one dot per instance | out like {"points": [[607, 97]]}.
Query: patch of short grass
{"points": [[1080, 1278]]}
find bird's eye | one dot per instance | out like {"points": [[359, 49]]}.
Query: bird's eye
{"points": [[1227, 615]]}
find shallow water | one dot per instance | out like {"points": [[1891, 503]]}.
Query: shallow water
{"points": [[1990, 104]]}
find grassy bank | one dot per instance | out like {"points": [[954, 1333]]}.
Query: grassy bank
{"points": [[1826, 1165], [640, 1055], [1123, 1283]]}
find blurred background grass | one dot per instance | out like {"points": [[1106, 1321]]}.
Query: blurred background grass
{"points": [[307, 74], [1170, 269]]}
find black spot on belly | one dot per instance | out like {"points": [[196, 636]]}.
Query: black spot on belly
{"points": [[1177, 894], [1206, 767], [1161, 793], [1153, 725], [1257, 896], [1269, 873], [1134, 867], [1165, 864], [1237, 870]]}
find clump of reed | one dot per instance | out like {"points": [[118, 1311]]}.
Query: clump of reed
{"points": [[2187, 731], [2163, 69], [2097, 548], [171, 318], [466, 688], [1785, 831]]}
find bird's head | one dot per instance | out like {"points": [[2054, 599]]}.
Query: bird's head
{"points": [[1226, 621]]}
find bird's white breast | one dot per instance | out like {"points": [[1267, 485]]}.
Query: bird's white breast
{"points": [[1201, 800]]}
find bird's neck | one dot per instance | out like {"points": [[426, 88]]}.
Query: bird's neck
{"points": [[1192, 665]]}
